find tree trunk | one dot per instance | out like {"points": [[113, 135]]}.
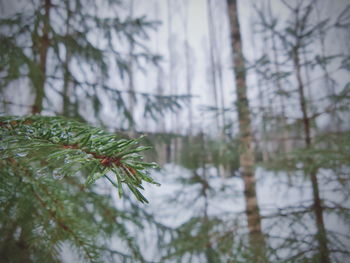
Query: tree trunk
{"points": [[284, 140], [66, 74], [44, 42], [161, 123], [256, 237], [335, 119], [216, 82], [188, 68], [317, 205], [212, 67], [131, 88], [174, 125]]}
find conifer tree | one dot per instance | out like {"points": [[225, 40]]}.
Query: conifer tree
{"points": [[70, 51], [322, 149]]}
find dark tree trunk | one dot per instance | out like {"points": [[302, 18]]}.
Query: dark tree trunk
{"points": [[317, 205], [44, 42], [66, 72]]}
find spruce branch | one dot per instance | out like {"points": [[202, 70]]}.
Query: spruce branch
{"points": [[54, 145]]}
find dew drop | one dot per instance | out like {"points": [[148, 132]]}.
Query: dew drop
{"points": [[57, 174], [22, 154], [3, 147], [154, 165], [55, 140], [42, 172]]}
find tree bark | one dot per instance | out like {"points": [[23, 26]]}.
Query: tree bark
{"points": [[256, 237], [44, 42]]}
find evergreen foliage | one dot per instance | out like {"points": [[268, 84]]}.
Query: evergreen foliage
{"points": [[203, 152], [317, 156], [66, 147], [48, 167], [55, 47], [60, 178]]}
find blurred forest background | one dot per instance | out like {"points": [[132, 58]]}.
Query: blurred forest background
{"points": [[247, 106]]}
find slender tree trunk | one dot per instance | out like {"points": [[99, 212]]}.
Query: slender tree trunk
{"points": [[317, 205], [257, 240], [210, 254], [221, 93], [219, 67], [212, 59], [162, 150], [23, 246], [131, 127], [263, 142], [44, 42], [216, 81], [66, 82], [268, 111], [66, 74], [188, 68], [285, 135], [161, 124], [335, 119], [172, 79]]}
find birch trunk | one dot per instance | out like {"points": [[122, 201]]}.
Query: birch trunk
{"points": [[256, 237]]}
